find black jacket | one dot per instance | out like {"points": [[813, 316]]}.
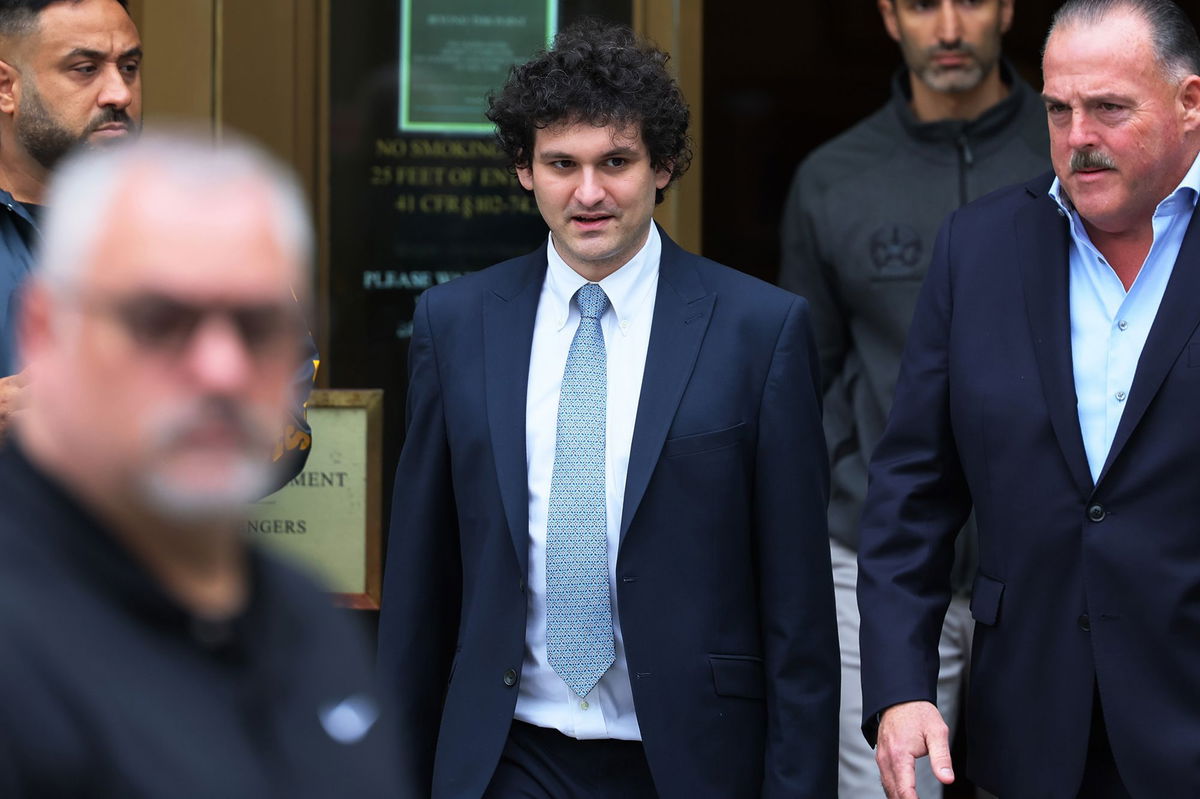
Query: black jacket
{"points": [[109, 687]]}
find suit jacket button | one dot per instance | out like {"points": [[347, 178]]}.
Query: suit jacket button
{"points": [[1085, 623], [510, 677], [1096, 513]]}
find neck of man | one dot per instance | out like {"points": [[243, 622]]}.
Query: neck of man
{"points": [[1125, 251], [930, 105], [20, 174], [203, 565]]}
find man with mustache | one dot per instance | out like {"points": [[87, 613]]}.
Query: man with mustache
{"points": [[1049, 384], [70, 76], [857, 230], [608, 571], [146, 649]]}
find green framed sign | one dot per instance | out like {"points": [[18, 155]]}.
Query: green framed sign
{"points": [[453, 52]]}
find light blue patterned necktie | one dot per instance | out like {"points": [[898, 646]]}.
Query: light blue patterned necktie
{"points": [[579, 631]]}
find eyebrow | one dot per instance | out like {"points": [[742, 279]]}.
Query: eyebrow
{"points": [[557, 155], [1119, 99], [97, 55]]}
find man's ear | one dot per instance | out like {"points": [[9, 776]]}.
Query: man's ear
{"points": [[10, 93], [525, 175], [1006, 15], [1189, 101], [887, 9], [662, 176]]}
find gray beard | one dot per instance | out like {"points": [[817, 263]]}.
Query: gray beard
{"points": [[952, 81]]}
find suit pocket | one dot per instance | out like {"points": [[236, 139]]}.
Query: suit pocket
{"points": [[703, 442], [738, 675], [985, 599]]}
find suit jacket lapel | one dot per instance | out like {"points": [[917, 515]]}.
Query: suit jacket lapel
{"points": [[508, 317], [1176, 321], [682, 310], [1043, 241]]}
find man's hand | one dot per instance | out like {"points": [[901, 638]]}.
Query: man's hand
{"points": [[907, 731], [12, 399]]}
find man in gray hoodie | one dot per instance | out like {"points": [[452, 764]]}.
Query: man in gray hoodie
{"points": [[857, 233]]}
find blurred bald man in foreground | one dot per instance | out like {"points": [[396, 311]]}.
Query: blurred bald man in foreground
{"points": [[146, 649]]}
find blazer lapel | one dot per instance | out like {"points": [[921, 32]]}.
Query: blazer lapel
{"points": [[1043, 241], [1176, 321], [508, 317], [682, 310]]}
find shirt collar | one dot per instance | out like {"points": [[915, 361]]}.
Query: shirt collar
{"points": [[627, 288], [1182, 200]]}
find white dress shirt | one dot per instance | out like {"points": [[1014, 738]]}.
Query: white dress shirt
{"points": [[543, 698], [1109, 325]]}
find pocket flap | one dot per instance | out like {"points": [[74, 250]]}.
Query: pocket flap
{"points": [[985, 599], [738, 675], [703, 442]]}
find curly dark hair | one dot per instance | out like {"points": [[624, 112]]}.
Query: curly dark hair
{"points": [[600, 73]]}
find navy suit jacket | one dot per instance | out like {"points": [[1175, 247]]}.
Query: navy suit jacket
{"points": [[1080, 586], [723, 579]]}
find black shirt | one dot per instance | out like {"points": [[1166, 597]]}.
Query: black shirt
{"points": [[109, 688]]}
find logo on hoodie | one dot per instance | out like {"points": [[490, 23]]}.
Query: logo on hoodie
{"points": [[896, 251]]}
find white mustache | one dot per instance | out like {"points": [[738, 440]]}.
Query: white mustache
{"points": [[1091, 159]]}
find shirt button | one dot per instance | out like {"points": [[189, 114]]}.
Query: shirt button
{"points": [[510, 678], [584, 705], [624, 324], [1122, 324], [1120, 395]]}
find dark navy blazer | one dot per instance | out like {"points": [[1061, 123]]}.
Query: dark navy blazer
{"points": [[723, 579], [1080, 586]]}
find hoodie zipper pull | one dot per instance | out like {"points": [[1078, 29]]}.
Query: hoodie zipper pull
{"points": [[964, 146]]}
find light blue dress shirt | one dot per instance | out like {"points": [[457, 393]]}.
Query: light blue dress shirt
{"points": [[1109, 326]]}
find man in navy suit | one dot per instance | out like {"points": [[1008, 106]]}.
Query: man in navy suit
{"points": [[607, 571], [1051, 380]]}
